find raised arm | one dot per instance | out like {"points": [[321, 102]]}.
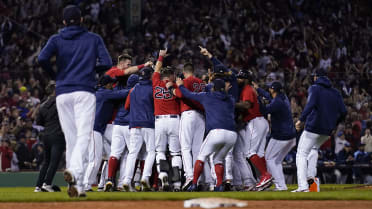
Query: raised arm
{"points": [[135, 69]]}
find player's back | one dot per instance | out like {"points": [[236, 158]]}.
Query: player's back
{"points": [[142, 105], [193, 84], [248, 94], [77, 53], [165, 103]]}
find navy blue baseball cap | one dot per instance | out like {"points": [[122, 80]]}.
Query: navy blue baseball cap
{"points": [[218, 84], [219, 69], [72, 15], [145, 73], [245, 74], [276, 86]]}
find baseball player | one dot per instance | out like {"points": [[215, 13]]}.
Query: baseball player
{"points": [[141, 123], [283, 132], [256, 128], [79, 55], [106, 97], [120, 137], [167, 110], [323, 111], [192, 123], [220, 125]]}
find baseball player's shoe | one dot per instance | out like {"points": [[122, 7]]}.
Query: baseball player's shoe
{"points": [[265, 180], [164, 183], [219, 188], [47, 188], [228, 186], [126, 188], [72, 190], [193, 188], [108, 186], [100, 189], [187, 184], [249, 188], [82, 194], [37, 189], [211, 188], [145, 184], [300, 190]]}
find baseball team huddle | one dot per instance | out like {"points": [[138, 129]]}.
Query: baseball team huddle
{"points": [[177, 133]]}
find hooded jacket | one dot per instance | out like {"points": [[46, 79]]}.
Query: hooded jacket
{"points": [[282, 127], [324, 108], [122, 117], [79, 54], [219, 108]]}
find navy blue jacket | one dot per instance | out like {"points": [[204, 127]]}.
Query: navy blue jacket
{"points": [[79, 54], [324, 108], [142, 105], [122, 117], [234, 90], [219, 108], [282, 127], [105, 106]]}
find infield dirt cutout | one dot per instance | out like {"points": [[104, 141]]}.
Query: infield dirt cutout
{"points": [[272, 204]]}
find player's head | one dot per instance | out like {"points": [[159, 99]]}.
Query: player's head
{"points": [[218, 85], [188, 69], [145, 73], [72, 15], [244, 77], [106, 81], [132, 80], [319, 73], [275, 88], [167, 73], [124, 61]]}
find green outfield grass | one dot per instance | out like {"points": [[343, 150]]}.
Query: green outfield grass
{"points": [[328, 192]]}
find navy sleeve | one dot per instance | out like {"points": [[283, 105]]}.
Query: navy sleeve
{"points": [[49, 50], [208, 87], [215, 61], [273, 107], [120, 94], [311, 101], [192, 95], [104, 59], [264, 94]]}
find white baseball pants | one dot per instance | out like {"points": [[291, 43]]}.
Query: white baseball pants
{"points": [[275, 153], [191, 134], [312, 161], [120, 140], [76, 113], [255, 136], [307, 141], [139, 136]]}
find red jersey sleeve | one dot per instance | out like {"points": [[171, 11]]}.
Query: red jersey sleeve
{"points": [[127, 101], [248, 95], [115, 72], [155, 78]]}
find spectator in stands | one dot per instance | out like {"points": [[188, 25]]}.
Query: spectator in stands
{"points": [[23, 153], [344, 157], [360, 157], [340, 142], [367, 140], [6, 155]]}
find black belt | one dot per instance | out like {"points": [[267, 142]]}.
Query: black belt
{"points": [[166, 116]]}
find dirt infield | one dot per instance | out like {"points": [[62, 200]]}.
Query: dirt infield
{"points": [[303, 204]]}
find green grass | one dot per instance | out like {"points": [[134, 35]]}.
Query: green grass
{"points": [[328, 192]]}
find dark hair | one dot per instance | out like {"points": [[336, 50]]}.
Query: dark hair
{"points": [[188, 67], [167, 71], [124, 57]]}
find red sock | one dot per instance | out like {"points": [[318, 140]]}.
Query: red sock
{"points": [[198, 169], [112, 166], [219, 173], [264, 162], [259, 163], [142, 165]]}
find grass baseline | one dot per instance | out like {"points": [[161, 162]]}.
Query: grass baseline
{"points": [[328, 192]]}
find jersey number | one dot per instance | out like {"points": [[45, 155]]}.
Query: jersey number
{"points": [[198, 87], [161, 93]]}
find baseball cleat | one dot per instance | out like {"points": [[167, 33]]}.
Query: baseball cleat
{"points": [[165, 183], [126, 188], [187, 184], [37, 189], [228, 186], [47, 188], [69, 178], [265, 180], [250, 188], [82, 194], [219, 188], [145, 185], [100, 189], [314, 184], [300, 190], [192, 188], [108, 187]]}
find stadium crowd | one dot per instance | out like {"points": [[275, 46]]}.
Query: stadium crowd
{"points": [[284, 40]]}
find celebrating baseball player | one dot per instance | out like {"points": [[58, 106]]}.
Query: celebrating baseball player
{"points": [[79, 54], [140, 102], [220, 125], [283, 132], [256, 128], [324, 109], [192, 123], [167, 110]]}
